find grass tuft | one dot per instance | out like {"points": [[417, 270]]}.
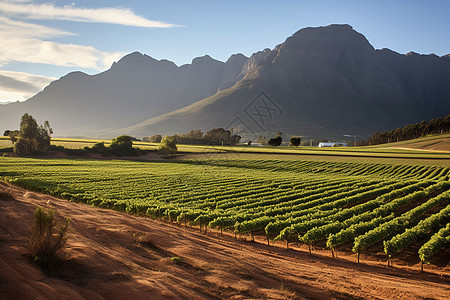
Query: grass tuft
{"points": [[48, 237], [176, 259]]}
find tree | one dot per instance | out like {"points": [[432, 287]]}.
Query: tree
{"points": [[99, 148], [47, 128], [31, 138], [196, 134], [152, 139], [220, 136], [13, 135], [275, 141], [122, 145], [295, 141], [168, 146]]}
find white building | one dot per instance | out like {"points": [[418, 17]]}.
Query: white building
{"points": [[332, 144]]}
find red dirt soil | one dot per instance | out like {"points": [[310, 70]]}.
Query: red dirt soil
{"points": [[113, 255]]}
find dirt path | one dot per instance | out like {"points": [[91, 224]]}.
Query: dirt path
{"points": [[112, 255]]}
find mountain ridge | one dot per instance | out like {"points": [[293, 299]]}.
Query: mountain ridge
{"points": [[355, 89], [324, 81], [134, 88]]}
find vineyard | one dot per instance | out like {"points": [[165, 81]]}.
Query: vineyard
{"points": [[333, 204]]}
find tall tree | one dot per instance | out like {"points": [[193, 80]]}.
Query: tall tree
{"points": [[122, 145], [31, 138], [168, 146], [295, 141]]}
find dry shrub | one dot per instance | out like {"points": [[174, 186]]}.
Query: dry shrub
{"points": [[47, 237]]}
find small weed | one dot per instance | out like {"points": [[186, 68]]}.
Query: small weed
{"points": [[176, 259]]}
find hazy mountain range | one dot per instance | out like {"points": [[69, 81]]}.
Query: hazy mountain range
{"points": [[321, 82]]}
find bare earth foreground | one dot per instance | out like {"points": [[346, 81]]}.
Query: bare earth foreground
{"points": [[113, 255]]}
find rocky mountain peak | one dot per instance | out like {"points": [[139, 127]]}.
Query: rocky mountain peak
{"points": [[205, 59]]}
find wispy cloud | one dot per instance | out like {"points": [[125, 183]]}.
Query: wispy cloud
{"points": [[110, 15], [19, 86], [21, 29], [31, 50], [26, 42], [23, 44]]}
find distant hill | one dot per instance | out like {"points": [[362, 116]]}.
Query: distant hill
{"points": [[437, 142], [321, 82]]}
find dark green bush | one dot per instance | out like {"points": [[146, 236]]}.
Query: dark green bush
{"points": [[275, 141]]}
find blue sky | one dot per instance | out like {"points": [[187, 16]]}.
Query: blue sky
{"points": [[42, 40]]}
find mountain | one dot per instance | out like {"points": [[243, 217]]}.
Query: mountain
{"points": [[321, 82], [134, 89]]}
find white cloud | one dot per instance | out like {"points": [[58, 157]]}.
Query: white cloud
{"points": [[19, 86], [25, 30], [23, 42], [110, 15], [31, 50]]}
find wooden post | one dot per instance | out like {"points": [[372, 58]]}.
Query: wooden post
{"points": [[268, 241], [332, 252], [358, 257], [287, 244]]}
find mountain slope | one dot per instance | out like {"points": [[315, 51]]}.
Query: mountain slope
{"points": [[326, 82], [136, 88]]}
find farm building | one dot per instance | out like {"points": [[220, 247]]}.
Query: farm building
{"points": [[332, 144]]}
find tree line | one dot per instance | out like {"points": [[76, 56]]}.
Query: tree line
{"points": [[216, 136], [411, 131]]}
